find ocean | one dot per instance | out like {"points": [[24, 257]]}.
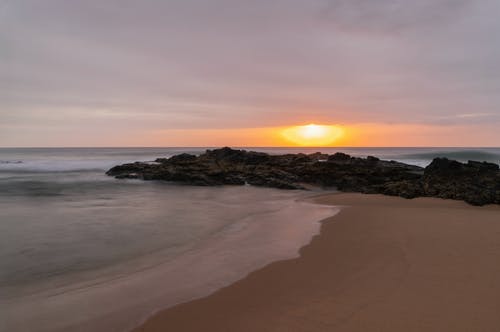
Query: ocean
{"points": [[82, 251]]}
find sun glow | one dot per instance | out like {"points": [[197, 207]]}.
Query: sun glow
{"points": [[312, 134]]}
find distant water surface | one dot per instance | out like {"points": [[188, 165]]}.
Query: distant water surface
{"points": [[71, 236]]}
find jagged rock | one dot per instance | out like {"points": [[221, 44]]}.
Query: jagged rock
{"points": [[339, 156], [483, 166], [236, 156], [180, 158], [477, 183], [405, 188], [318, 156]]}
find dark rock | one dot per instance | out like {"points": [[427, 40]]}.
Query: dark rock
{"points": [[236, 156], [443, 167], [484, 166], [127, 176], [405, 188], [475, 182], [182, 158], [318, 156], [339, 156]]}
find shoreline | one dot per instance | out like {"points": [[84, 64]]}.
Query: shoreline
{"points": [[382, 263], [273, 228]]}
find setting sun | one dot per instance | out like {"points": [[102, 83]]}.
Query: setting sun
{"points": [[312, 134]]}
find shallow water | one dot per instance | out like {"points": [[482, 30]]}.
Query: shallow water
{"points": [[117, 257]]}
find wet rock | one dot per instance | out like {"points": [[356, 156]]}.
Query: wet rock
{"points": [[181, 158], [339, 157], [318, 156], [477, 183]]}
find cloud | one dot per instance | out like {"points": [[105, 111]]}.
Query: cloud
{"points": [[474, 115], [223, 64], [391, 16]]}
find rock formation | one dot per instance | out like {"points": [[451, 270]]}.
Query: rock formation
{"points": [[477, 183]]}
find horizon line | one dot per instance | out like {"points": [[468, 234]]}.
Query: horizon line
{"points": [[249, 147]]}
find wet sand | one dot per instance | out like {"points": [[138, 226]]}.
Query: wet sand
{"points": [[381, 264]]}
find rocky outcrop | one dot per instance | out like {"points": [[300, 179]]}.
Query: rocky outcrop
{"points": [[475, 182]]}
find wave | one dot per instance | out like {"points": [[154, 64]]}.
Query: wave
{"points": [[78, 160], [59, 166], [32, 170], [57, 186], [11, 162]]}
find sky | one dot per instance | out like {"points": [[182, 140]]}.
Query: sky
{"points": [[232, 72]]}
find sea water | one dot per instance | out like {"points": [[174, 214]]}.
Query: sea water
{"points": [[86, 252]]}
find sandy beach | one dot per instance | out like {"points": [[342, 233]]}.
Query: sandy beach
{"points": [[381, 264]]}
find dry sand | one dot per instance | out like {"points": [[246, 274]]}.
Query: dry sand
{"points": [[382, 264]]}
